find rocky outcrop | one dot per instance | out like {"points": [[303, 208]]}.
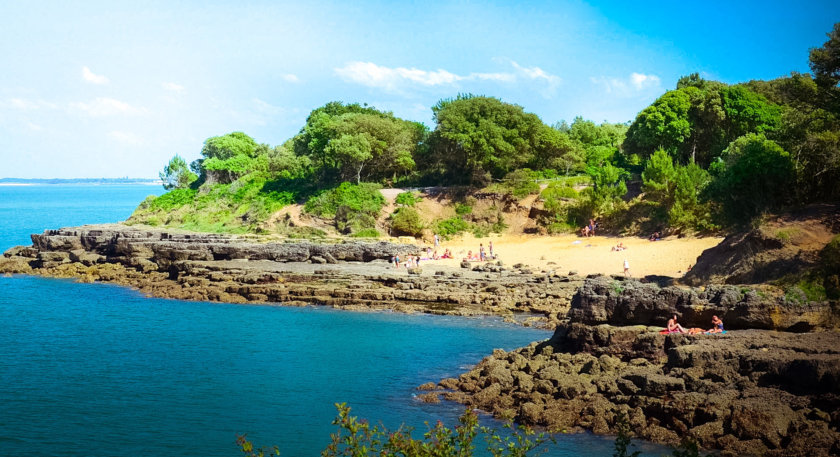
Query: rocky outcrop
{"points": [[782, 246], [617, 301], [350, 275], [748, 393]]}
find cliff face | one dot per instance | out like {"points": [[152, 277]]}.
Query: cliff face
{"points": [[356, 275], [746, 392]]}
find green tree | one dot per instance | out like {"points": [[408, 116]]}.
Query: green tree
{"points": [[662, 125], [757, 175], [687, 210], [608, 185], [352, 152], [825, 63], [176, 174], [358, 142], [476, 135], [659, 177], [226, 146]]}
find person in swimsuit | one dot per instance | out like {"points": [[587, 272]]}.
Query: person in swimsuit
{"points": [[717, 325], [674, 327]]}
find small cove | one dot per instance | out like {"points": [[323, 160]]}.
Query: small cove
{"points": [[93, 369]]}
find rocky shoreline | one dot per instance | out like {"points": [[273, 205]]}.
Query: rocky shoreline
{"points": [[765, 388], [349, 275], [746, 392]]}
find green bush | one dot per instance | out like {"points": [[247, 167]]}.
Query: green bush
{"points": [[452, 226], [367, 233], [363, 198], [408, 199], [462, 209], [349, 222], [406, 221], [175, 198], [521, 183]]}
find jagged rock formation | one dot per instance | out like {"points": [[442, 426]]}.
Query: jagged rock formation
{"points": [[747, 392], [353, 275]]}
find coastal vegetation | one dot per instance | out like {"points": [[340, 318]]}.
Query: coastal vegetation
{"points": [[704, 157]]}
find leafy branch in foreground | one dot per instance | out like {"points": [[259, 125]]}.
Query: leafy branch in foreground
{"points": [[358, 438]]}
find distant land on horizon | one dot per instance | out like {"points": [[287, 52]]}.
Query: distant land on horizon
{"points": [[79, 180]]}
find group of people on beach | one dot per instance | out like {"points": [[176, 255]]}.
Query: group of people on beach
{"points": [[482, 255], [674, 327]]}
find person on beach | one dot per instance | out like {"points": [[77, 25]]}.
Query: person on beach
{"points": [[717, 325], [481, 255], [674, 327], [437, 241], [626, 268], [490, 246], [397, 261]]}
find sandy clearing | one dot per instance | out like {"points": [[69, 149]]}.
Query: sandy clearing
{"points": [[667, 257]]}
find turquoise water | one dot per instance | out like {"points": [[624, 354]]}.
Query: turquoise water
{"points": [[100, 370]]}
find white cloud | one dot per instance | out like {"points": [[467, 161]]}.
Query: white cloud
{"points": [[34, 127], [125, 137], [103, 106], [400, 78], [172, 86], [290, 78], [641, 81], [93, 78], [629, 86]]}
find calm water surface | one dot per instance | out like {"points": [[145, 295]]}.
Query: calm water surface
{"points": [[99, 370]]}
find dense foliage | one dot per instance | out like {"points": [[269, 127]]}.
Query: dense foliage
{"points": [[703, 156]]}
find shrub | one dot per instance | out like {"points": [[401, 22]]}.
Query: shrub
{"points": [[367, 233], [452, 226], [408, 199], [406, 221], [521, 183], [175, 198], [462, 209], [364, 198]]}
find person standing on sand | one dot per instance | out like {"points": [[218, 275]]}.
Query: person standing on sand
{"points": [[481, 255], [626, 268], [437, 241], [490, 245]]}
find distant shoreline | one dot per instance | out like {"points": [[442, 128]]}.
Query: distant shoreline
{"points": [[34, 182]]}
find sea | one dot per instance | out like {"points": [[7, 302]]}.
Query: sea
{"points": [[101, 370]]}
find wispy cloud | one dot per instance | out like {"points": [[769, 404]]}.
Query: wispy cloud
{"points": [[398, 79], [290, 78], [265, 107], [92, 77], [174, 87], [125, 137], [629, 86], [103, 106], [34, 127], [25, 104]]}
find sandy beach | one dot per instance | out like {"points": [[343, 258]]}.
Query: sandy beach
{"points": [[667, 257]]}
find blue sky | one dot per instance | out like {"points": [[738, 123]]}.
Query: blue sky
{"points": [[110, 89]]}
